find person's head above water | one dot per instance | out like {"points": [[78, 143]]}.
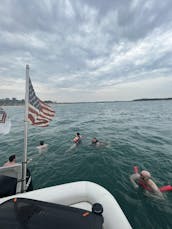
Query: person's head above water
{"points": [[94, 141], [78, 134], [145, 174], [41, 143], [12, 157]]}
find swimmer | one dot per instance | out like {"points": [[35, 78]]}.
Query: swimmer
{"points": [[42, 146], [11, 161], [144, 179], [96, 142], [77, 138]]}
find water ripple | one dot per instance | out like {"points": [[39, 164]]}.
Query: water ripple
{"points": [[135, 133]]}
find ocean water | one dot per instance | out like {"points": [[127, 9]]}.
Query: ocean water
{"points": [[135, 133]]}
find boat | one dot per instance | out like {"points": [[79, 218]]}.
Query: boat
{"points": [[11, 180], [85, 198], [5, 122], [75, 205]]}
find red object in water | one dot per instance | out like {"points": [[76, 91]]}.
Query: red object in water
{"points": [[165, 188], [162, 189]]}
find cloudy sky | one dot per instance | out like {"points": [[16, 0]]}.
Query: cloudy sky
{"points": [[86, 50]]}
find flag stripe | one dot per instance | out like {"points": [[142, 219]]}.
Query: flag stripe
{"points": [[42, 123], [46, 106], [39, 112]]}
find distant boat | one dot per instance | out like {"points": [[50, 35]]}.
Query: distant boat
{"points": [[5, 122]]}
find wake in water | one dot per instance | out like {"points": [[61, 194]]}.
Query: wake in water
{"points": [[5, 127], [73, 146], [101, 145]]}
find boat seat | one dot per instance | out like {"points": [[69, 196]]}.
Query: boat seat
{"points": [[33, 214], [8, 186]]}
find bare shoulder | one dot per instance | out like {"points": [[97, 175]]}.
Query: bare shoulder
{"points": [[152, 184], [135, 176], [42, 146], [155, 189]]}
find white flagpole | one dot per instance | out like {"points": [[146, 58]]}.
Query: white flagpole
{"points": [[24, 163]]}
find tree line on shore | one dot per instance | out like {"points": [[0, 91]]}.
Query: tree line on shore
{"points": [[15, 102]]}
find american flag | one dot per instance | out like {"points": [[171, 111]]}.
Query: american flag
{"points": [[3, 115], [39, 113]]}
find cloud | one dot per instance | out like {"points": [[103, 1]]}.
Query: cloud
{"points": [[146, 88], [82, 48]]}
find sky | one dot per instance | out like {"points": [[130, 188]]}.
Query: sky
{"points": [[86, 50]]}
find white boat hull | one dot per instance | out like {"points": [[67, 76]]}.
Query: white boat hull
{"points": [[83, 195]]}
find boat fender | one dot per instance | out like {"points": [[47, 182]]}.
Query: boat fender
{"points": [[97, 209]]}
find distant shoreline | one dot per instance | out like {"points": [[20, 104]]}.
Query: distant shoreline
{"points": [[151, 99], [15, 102]]}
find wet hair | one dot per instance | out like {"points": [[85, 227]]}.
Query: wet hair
{"points": [[94, 140], [12, 157], [78, 134], [41, 143]]}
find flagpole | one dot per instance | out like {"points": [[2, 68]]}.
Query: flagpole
{"points": [[24, 163]]}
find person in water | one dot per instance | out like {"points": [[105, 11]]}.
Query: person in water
{"points": [[11, 160], [96, 142], [144, 179], [42, 145], [77, 138]]}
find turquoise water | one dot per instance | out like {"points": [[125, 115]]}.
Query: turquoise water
{"points": [[136, 133]]}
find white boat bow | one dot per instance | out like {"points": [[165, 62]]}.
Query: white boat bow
{"points": [[82, 194]]}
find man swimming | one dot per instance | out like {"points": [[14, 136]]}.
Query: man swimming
{"points": [[11, 161], [77, 138], [144, 179], [96, 142], [42, 146]]}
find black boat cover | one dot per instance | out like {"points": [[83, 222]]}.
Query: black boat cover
{"points": [[8, 186], [24, 213]]}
